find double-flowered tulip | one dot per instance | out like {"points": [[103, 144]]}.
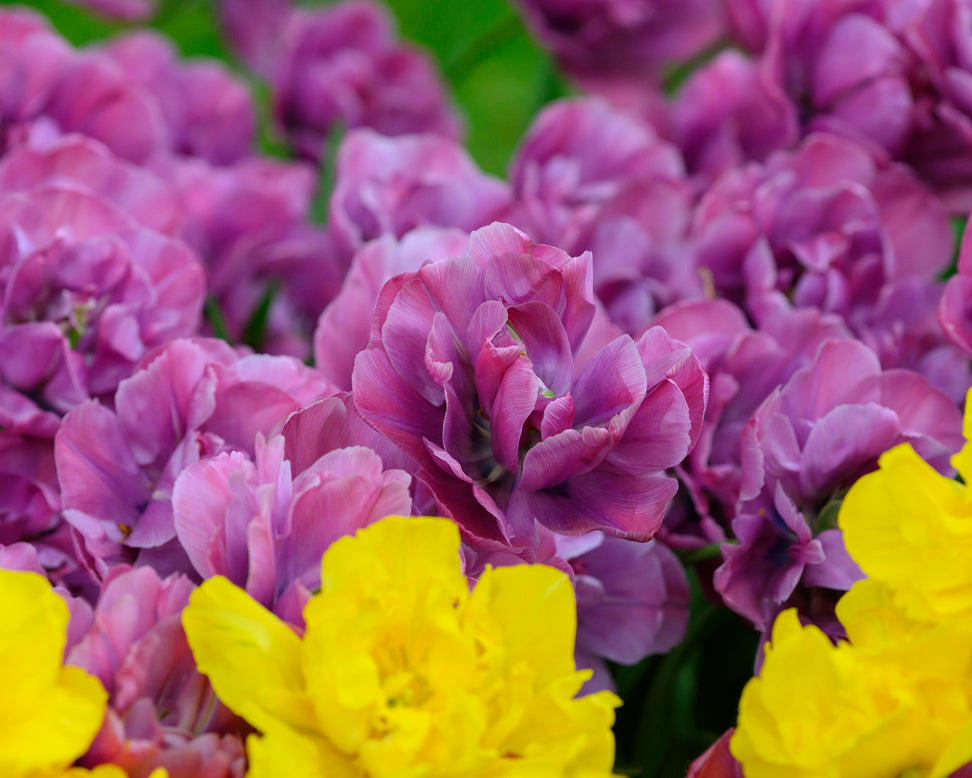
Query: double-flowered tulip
{"points": [[519, 415], [403, 671]]}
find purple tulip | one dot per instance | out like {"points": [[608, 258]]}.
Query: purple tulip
{"points": [[208, 111], [161, 711], [389, 186], [590, 178], [744, 367], [806, 444], [632, 598], [253, 28], [265, 527], [478, 369], [601, 42], [191, 399], [937, 34], [729, 112], [248, 222], [87, 290], [345, 325], [840, 63], [85, 163], [825, 227], [343, 65]]}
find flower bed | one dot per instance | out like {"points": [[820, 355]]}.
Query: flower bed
{"points": [[549, 388]]}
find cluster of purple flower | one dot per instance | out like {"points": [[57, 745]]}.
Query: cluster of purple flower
{"points": [[685, 323]]}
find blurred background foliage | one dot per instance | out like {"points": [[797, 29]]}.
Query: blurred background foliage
{"points": [[676, 705]]}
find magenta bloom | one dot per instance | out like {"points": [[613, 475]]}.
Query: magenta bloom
{"points": [[208, 112], [840, 63], [345, 325], [264, 524], [192, 399], [48, 87], [479, 369], [90, 289], [729, 112], [83, 162], [254, 28], [343, 65], [936, 34], [389, 186], [161, 711], [590, 178], [249, 223], [86, 291]]}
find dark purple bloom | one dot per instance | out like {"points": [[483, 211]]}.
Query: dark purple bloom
{"points": [[937, 34], [606, 43], [590, 178], [343, 65], [777, 552], [479, 370]]}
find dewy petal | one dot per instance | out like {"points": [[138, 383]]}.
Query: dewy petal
{"points": [[260, 679]]}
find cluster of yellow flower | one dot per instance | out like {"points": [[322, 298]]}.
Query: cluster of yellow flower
{"points": [[50, 713], [895, 699], [402, 671]]}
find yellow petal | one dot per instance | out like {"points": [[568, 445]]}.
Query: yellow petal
{"points": [[534, 608], [50, 713], [33, 631], [397, 554], [251, 657], [283, 753]]}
